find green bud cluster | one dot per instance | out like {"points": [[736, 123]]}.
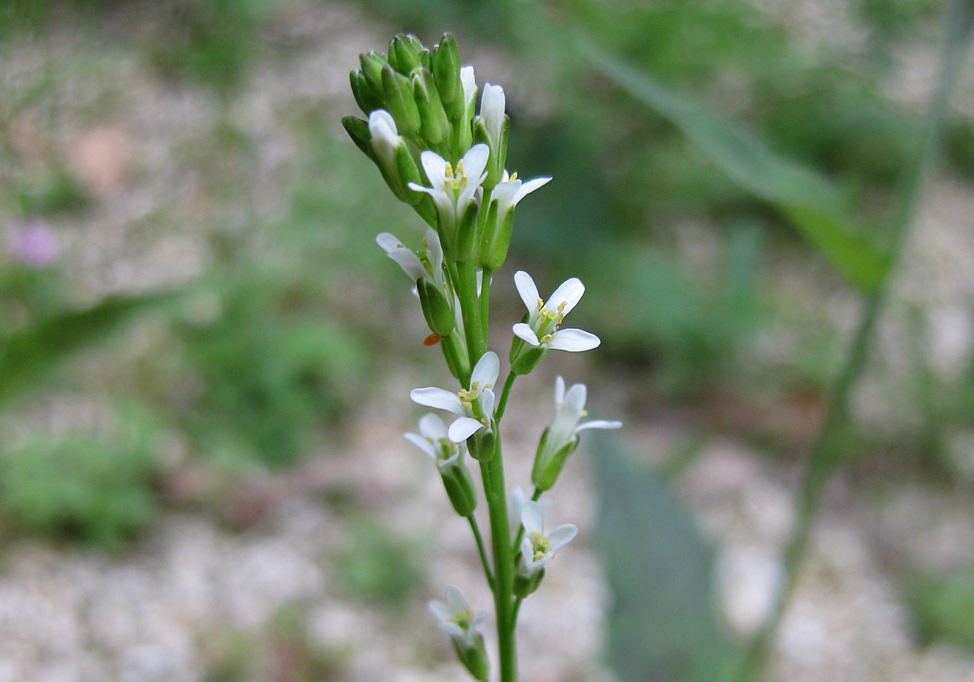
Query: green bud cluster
{"points": [[423, 91]]}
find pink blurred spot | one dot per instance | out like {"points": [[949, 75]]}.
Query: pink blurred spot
{"points": [[34, 245]]}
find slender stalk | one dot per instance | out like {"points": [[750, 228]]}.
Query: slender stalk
{"points": [[485, 300], [505, 394], [482, 550], [826, 452], [492, 472]]}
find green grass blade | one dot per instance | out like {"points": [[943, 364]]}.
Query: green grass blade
{"points": [[662, 623], [804, 198]]}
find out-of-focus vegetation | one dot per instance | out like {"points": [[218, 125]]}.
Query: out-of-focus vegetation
{"points": [[676, 199]]}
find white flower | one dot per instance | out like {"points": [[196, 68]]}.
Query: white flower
{"points": [[537, 549], [544, 318], [510, 190], [569, 408], [515, 502], [385, 136], [433, 440], [453, 189], [469, 83], [492, 104], [474, 405], [428, 264], [457, 618]]}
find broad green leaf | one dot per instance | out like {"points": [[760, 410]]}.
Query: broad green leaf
{"points": [[662, 623], [803, 197], [28, 353]]}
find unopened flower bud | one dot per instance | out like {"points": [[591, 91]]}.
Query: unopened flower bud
{"points": [[405, 53], [548, 464], [372, 63], [367, 98], [446, 70], [436, 309], [435, 124], [398, 94]]}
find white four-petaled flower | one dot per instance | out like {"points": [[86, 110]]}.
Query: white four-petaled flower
{"points": [[569, 409], [453, 189], [510, 190], [544, 317], [474, 405], [457, 618], [428, 264], [537, 549], [434, 441]]}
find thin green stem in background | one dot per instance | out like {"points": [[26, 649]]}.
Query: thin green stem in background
{"points": [[505, 394], [827, 451], [484, 561]]}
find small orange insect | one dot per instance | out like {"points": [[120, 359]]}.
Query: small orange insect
{"points": [[432, 339]]}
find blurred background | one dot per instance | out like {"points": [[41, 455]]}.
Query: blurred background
{"points": [[205, 359]]}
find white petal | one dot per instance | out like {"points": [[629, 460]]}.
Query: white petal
{"points": [[385, 137], [388, 242], [515, 500], [434, 250], [440, 609], [469, 84], [463, 428], [532, 518], [528, 187], [527, 290], [575, 399], [453, 630], [409, 262], [598, 424], [487, 399], [431, 426], [524, 331], [561, 536], [485, 372], [422, 443], [573, 340], [569, 293], [474, 163], [478, 619], [559, 391], [435, 167], [439, 398], [457, 601], [492, 104]]}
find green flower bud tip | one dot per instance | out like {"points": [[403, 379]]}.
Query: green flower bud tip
{"points": [[399, 97]]}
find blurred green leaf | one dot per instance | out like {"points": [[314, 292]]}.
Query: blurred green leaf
{"points": [[662, 624], [942, 607], [28, 353], [803, 197]]}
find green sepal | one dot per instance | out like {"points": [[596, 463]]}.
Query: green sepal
{"points": [[498, 153], [496, 238], [460, 489], [545, 471], [367, 99], [426, 209], [526, 585], [528, 358], [436, 309], [446, 70], [435, 124], [358, 130], [399, 97], [405, 53], [482, 445], [408, 172], [474, 658], [466, 237], [372, 63]]}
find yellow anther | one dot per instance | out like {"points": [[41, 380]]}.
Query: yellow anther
{"points": [[584, 413], [546, 338], [513, 177], [467, 404], [448, 171]]}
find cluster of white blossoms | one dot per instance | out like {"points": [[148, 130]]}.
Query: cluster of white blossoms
{"points": [[446, 159]]}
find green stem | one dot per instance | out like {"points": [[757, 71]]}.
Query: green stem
{"points": [[485, 300], [470, 311], [826, 452], [480, 548], [505, 394], [492, 472]]}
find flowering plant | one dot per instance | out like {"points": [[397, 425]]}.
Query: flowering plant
{"points": [[445, 159]]}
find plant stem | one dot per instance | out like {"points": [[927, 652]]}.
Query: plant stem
{"points": [[470, 311], [492, 472], [826, 453], [481, 549], [505, 394]]}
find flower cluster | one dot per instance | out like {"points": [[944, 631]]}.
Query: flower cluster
{"points": [[445, 158]]}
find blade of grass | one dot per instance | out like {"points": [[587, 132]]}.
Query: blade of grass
{"points": [[802, 196], [826, 452]]}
